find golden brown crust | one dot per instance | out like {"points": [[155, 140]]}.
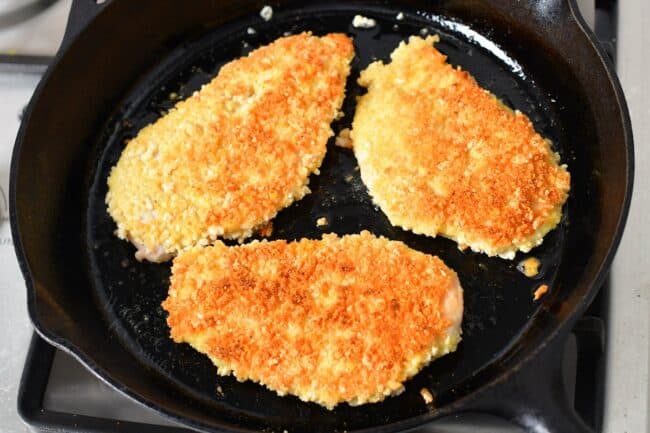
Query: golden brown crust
{"points": [[225, 160], [331, 320], [441, 155]]}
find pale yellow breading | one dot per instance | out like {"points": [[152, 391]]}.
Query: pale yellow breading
{"points": [[441, 155], [342, 319], [226, 160]]}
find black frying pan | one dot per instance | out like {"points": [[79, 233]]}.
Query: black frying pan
{"points": [[118, 65]]}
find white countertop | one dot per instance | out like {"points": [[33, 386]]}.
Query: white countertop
{"points": [[15, 328], [15, 92], [627, 387]]}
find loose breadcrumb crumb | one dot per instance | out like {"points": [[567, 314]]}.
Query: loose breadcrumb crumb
{"points": [[343, 139], [322, 222], [361, 22], [529, 267], [266, 13], [266, 230], [426, 396], [541, 291]]}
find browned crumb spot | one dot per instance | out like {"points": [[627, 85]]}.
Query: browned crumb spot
{"points": [[426, 396], [529, 267], [266, 230], [343, 139], [322, 222], [541, 291]]}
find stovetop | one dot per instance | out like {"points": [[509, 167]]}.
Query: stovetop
{"points": [[60, 392]]}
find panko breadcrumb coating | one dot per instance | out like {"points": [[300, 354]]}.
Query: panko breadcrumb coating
{"points": [[441, 155], [541, 291], [226, 160], [342, 319]]}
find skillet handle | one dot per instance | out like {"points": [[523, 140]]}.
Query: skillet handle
{"points": [[81, 14], [535, 396]]}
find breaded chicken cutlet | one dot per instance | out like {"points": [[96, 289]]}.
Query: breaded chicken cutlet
{"points": [[441, 155], [342, 319], [223, 162]]}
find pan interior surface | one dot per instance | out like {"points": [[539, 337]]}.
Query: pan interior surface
{"points": [[498, 298]]}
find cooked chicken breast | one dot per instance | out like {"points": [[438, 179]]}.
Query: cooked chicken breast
{"points": [[342, 319], [441, 155], [223, 162]]}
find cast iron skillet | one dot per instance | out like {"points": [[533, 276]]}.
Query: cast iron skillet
{"points": [[118, 66]]}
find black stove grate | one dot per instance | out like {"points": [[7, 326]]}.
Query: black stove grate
{"points": [[31, 394]]}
